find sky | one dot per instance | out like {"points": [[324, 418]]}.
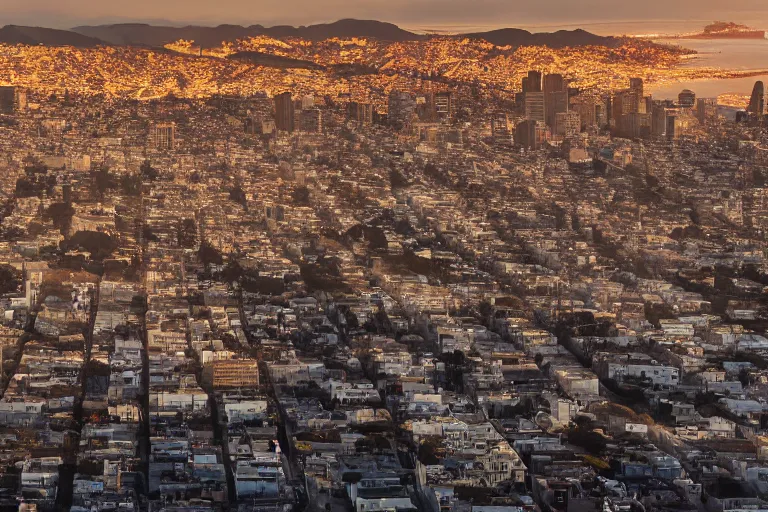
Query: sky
{"points": [[602, 16]]}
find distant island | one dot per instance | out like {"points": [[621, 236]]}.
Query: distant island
{"points": [[726, 30]]}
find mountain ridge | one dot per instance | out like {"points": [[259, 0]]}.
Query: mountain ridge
{"points": [[207, 37], [18, 34], [147, 35]]}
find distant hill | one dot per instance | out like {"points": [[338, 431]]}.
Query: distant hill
{"points": [[208, 37], [14, 34], [347, 28], [559, 39], [140, 34], [137, 34]]}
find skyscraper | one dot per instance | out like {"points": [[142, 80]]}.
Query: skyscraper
{"points": [[554, 83], [567, 124], [531, 134], [757, 100], [12, 99], [444, 105], [499, 125], [555, 97], [659, 120], [671, 121], [587, 109], [284, 112], [636, 86], [622, 105], [400, 108], [163, 135], [311, 120], [532, 83], [361, 113], [638, 125], [686, 99], [706, 108], [534, 107]]}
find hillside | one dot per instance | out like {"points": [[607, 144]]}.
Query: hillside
{"points": [[138, 34], [560, 39], [15, 34], [210, 37]]}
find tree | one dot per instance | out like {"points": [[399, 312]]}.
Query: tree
{"points": [[209, 255], [9, 279], [100, 245], [102, 181], [148, 235], [148, 172], [186, 233], [238, 196], [300, 196], [428, 449], [130, 184], [60, 214], [396, 179], [232, 272]]}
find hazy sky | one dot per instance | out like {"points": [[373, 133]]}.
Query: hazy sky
{"points": [[408, 13]]}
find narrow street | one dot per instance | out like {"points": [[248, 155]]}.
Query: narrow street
{"points": [[72, 445]]}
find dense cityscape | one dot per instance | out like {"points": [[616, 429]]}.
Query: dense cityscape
{"points": [[287, 274]]}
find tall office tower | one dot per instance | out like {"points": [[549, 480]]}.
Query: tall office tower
{"points": [[686, 99], [645, 105], [555, 97], [555, 102], [587, 108], [361, 113], [311, 120], [659, 120], [401, 107], [678, 124], [601, 112], [757, 100], [284, 112], [638, 125], [534, 107], [636, 86], [12, 98], [706, 108], [671, 125], [567, 124], [554, 83], [532, 83], [163, 135], [444, 105], [307, 102], [620, 106], [7, 99], [500, 125], [425, 108], [531, 134]]}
